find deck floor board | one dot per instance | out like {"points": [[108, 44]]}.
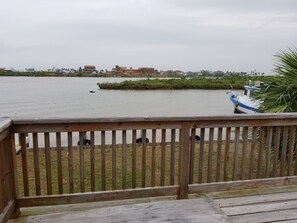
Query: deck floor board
{"points": [[275, 204]]}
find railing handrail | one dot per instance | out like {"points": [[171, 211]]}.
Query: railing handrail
{"points": [[5, 123], [237, 117]]}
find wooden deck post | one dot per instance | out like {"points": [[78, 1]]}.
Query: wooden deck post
{"points": [[8, 192], [184, 161]]}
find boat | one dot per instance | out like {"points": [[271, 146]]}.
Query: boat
{"points": [[245, 103]]}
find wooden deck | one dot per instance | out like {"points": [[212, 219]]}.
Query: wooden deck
{"points": [[277, 204]]}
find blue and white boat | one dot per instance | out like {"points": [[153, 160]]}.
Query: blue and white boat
{"points": [[245, 103]]}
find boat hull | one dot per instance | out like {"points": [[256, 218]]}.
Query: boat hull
{"points": [[243, 103]]}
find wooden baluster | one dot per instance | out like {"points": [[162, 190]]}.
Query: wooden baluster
{"points": [[260, 155], [153, 170], [210, 154], [201, 152], [253, 147], [143, 158], [284, 151], [103, 178], [226, 157], [268, 150], [244, 151], [24, 164], [192, 154], [219, 151], [70, 162], [276, 145], [81, 161], [36, 164], [59, 162], [172, 157], [133, 158], [236, 148], [92, 160], [114, 160], [291, 148], [124, 159], [48, 163], [163, 145]]}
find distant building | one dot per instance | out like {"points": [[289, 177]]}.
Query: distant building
{"points": [[30, 69], [2, 69], [147, 70], [131, 71], [89, 69]]}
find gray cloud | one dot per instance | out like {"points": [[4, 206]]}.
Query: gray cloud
{"points": [[166, 34]]}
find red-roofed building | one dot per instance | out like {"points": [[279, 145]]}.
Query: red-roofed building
{"points": [[89, 69]]}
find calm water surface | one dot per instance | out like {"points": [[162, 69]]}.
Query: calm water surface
{"points": [[59, 97]]}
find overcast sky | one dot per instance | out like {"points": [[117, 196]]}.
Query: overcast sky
{"points": [[227, 35]]}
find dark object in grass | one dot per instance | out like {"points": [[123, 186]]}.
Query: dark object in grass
{"points": [[197, 138], [139, 140], [85, 142]]}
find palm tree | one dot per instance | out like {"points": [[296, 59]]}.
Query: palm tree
{"points": [[281, 95]]}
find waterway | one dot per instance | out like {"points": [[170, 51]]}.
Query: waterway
{"points": [[70, 97]]}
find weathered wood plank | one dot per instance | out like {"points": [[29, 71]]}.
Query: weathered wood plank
{"points": [[242, 184], [210, 154], [253, 148], [276, 144], [124, 159], [263, 207], [91, 124], [284, 151], [260, 154], [143, 163], [24, 164], [8, 211], [236, 150], [244, 152], [103, 171], [201, 153], [285, 216], [48, 168], [163, 144], [257, 199], [291, 148], [268, 150], [226, 157], [134, 159], [153, 168], [184, 161], [36, 164], [59, 163], [70, 162], [219, 151], [2, 178], [114, 161], [82, 161], [192, 154], [92, 160], [97, 196], [172, 156]]}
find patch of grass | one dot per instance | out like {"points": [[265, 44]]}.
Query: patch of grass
{"points": [[185, 83], [139, 153]]}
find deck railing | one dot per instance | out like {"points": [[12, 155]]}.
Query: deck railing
{"points": [[143, 157]]}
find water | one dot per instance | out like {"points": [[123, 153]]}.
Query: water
{"points": [[59, 97]]}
